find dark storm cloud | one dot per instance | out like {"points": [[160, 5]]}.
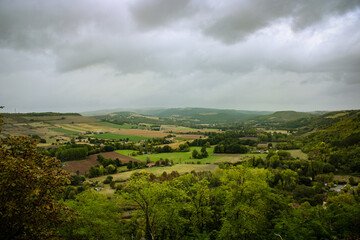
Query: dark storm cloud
{"points": [[233, 54]]}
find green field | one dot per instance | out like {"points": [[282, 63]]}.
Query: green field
{"points": [[186, 129], [233, 158], [118, 126], [119, 136], [181, 168], [65, 131], [297, 153], [176, 157], [184, 157]]}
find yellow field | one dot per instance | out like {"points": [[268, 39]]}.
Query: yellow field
{"points": [[140, 132]]}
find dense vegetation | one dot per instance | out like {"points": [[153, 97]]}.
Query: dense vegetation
{"points": [[232, 203], [277, 197]]}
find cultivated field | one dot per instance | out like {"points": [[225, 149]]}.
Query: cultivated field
{"points": [[142, 133], [189, 136], [65, 131], [118, 126], [180, 129], [114, 136], [83, 166]]}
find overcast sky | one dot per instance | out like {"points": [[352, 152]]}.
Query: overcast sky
{"points": [[73, 56]]}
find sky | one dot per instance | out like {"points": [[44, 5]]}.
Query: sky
{"points": [[83, 55]]}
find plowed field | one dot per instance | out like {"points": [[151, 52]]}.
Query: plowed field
{"points": [[83, 166]]}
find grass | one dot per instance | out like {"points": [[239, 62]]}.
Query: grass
{"points": [[297, 153], [180, 168], [118, 126], [233, 158], [65, 131], [186, 129], [119, 136], [176, 157], [345, 178], [74, 128]]}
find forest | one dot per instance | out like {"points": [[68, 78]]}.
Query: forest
{"points": [[276, 197]]}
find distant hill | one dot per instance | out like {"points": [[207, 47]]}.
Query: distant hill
{"points": [[282, 117], [208, 115], [146, 111], [316, 122], [199, 115]]}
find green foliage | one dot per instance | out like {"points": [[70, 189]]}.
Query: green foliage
{"points": [[108, 179], [30, 185], [338, 144], [98, 218], [69, 154]]}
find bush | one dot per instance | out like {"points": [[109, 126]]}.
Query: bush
{"points": [[108, 180]]}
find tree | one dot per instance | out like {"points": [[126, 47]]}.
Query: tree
{"points": [[98, 218], [158, 206], [195, 153], [30, 186], [204, 153]]}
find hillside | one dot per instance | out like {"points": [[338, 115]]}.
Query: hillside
{"points": [[316, 122], [284, 116], [45, 125], [338, 140], [194, 115], [208, 115]]}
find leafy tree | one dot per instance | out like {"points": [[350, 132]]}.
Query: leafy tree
{"points": [[289, 179], [246, 194], [195, 153], [111, 169], [30, 185], [97, 218], [204, 153], [158, 206]]}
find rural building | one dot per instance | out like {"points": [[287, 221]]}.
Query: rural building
{"points": [[151, 164]]}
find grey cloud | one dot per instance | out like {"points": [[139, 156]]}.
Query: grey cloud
{"points": [[144, 52], [153, 13], [42, 24], [246, 17]]}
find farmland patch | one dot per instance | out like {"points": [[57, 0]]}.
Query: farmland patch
{"points": [[65, 131], [114, 136]]}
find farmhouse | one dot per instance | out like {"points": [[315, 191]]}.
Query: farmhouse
{"points": [[151, 164]]}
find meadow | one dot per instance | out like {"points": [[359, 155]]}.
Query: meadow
{"points": [[186, 157], [65, 131], [175, 129], [297, 153], [113, 125], [176, 157], [114, 136], [157, 171]]}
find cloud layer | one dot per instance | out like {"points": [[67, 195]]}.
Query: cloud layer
{"points": [[255, 55]]}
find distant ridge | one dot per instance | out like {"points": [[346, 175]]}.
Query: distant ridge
{"points": [[204, 115]]}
